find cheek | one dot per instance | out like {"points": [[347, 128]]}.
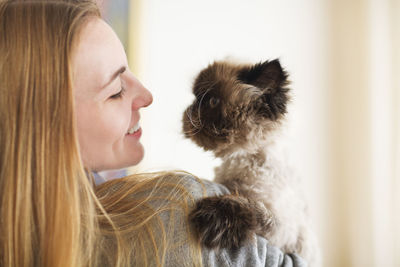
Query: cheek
{"points": [[111, 126], [100, 128]]}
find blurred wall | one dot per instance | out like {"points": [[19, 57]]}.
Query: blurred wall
{"points": [[342, 135]]}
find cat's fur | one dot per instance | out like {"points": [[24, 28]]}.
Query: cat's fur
{"points": [[236, 114]]}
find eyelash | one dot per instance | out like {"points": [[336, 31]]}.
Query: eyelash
{"points": [[119, 94]]}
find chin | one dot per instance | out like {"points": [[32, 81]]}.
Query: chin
{"points": [[136, 158]]}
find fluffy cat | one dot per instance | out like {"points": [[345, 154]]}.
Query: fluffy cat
{"points": [[236, 114]]}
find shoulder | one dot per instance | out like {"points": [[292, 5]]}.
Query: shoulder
{"points": [[200, 188], [197, 187], [167, 190]]}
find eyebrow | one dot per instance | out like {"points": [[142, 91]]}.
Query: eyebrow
{"points": [[114, 76]]}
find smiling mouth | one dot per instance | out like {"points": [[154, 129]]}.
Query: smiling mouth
{"points": [[134, 129]]}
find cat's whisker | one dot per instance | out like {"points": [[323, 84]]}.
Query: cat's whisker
{"points": [[195, 123], [189, 116], [215, 129], [200, 102], [204, 86], [191, 120], [192, 132]]}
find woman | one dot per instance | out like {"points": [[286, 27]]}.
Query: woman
{"points": [[69, 106]]}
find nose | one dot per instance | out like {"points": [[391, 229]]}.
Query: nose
{"points": [[142, 97]]}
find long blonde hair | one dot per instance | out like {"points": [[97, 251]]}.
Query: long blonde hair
{"points": [[51, 214]]}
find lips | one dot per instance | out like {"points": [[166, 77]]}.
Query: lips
{"points": [[135, 128]]}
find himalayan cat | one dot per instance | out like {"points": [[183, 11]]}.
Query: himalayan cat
{"points": [[237, 111]]}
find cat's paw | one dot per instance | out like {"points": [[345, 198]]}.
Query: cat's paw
{"points": [[226, 221]]}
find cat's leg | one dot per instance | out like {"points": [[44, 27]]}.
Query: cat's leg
{"points": [[223, 221], [228, 221]]}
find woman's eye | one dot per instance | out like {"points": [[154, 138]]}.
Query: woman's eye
{"points": [[119, 94]]}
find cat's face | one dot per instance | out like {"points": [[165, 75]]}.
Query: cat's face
{"points": [[235, 105]]}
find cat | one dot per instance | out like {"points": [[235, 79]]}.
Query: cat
{"points": [[237, 112]]}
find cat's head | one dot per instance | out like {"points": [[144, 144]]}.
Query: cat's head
{"points": [[236, 105]]}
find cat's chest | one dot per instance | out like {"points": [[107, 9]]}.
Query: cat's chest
{"points": [[251, 170]]}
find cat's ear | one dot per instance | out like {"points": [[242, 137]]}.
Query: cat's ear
{"points": [[271, 79], [265, 76]]}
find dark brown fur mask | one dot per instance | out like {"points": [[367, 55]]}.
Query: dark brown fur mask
{"points": [[235, 105]]}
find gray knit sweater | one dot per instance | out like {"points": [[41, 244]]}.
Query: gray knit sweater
{"points": [[256, 254]]}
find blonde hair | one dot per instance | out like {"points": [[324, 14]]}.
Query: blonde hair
{"points": [[51, 214]]}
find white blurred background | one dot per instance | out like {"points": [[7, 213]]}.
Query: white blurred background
{"points": [[343, 132]]}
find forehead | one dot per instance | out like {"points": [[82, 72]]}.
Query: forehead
{"points": [[218, 79], [99, 53]]}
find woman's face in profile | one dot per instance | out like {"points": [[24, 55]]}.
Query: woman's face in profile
{"points": [[107, 100]]}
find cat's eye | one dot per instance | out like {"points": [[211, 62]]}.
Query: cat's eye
{"points": [[213, 102]]}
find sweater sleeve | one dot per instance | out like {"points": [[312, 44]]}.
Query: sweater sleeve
{"points": [[255, 254]]}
